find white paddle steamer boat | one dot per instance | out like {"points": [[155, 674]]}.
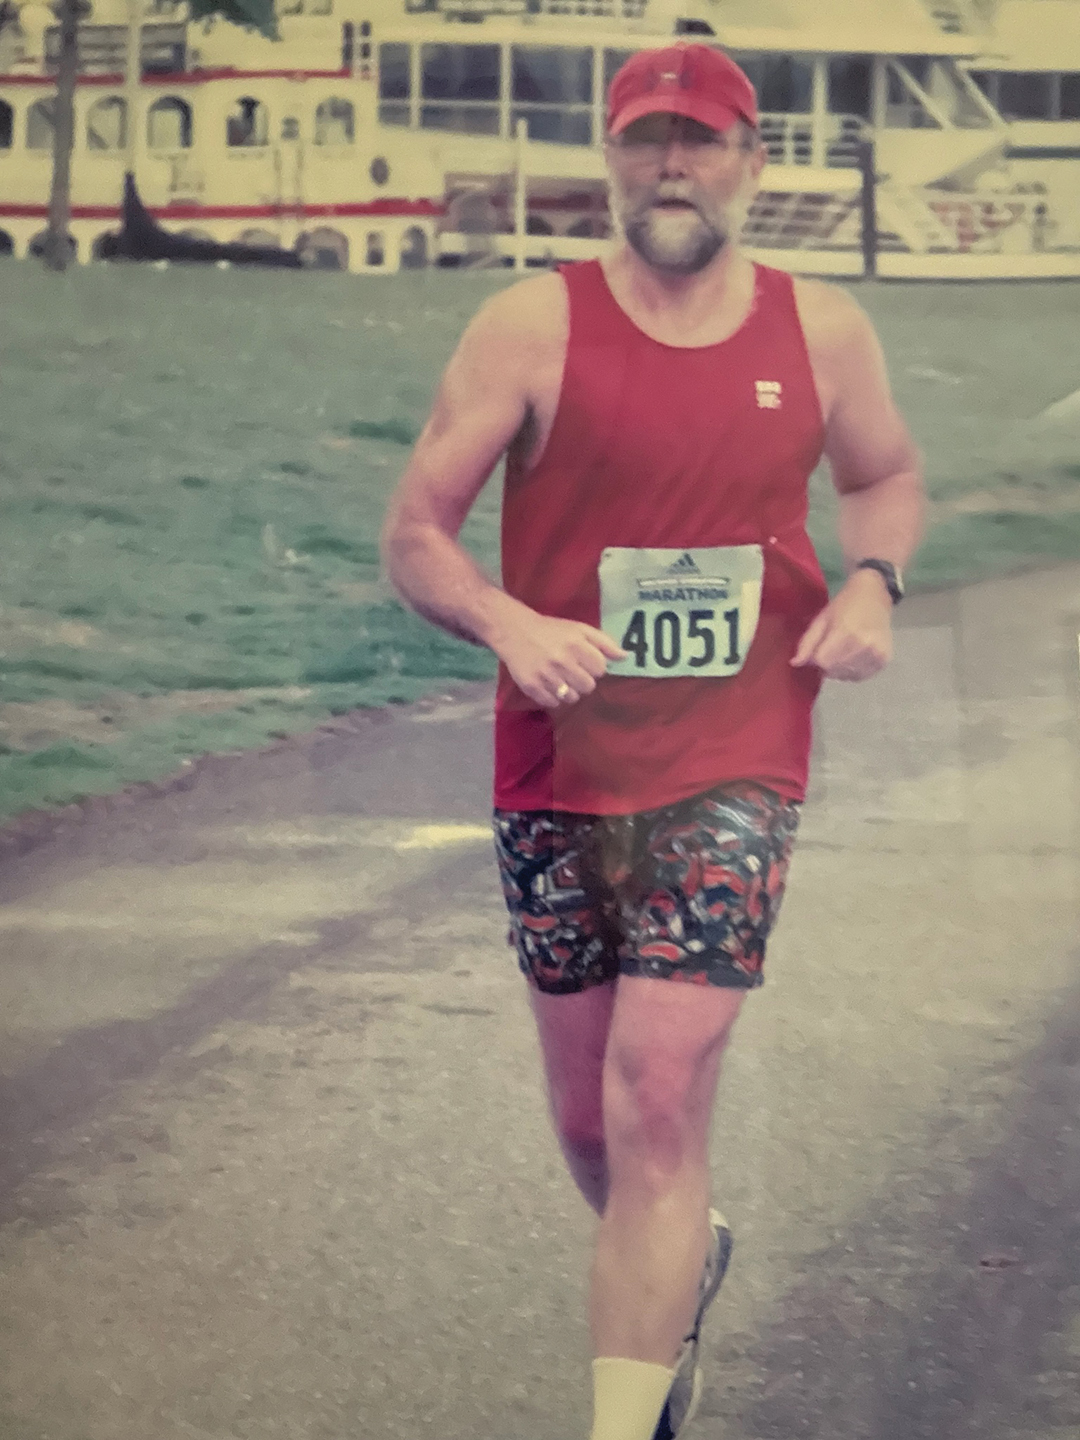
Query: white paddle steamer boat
{"points": [[914, 138]]}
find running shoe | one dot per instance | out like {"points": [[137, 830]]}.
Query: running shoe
{"points": [[685, 1392]]}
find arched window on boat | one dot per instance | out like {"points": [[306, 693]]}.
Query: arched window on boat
{"points": [[334, 123], [106, 124], [248, 123], [414, 248], [39, 125], [324, 249], [7, 125], [168, 124]]}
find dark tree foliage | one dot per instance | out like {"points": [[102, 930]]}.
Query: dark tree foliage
{"points": [[250, 14]]}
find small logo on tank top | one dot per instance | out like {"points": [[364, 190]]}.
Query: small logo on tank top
{"points": [[768, 394]]}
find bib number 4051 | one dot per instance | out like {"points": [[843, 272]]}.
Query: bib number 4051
{"points": [[667, 638]]}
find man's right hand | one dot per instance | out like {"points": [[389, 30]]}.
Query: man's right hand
{"points": [[555, 662]]}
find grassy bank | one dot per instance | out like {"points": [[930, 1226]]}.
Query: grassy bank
{"points": [[194, 465]]}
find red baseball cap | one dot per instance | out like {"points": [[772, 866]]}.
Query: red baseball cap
{"points": [[693, 80]]}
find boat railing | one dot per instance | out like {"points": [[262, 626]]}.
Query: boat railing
{"points": [[480, 9], [831, 141]]}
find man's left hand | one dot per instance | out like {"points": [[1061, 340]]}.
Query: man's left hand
{"points": [[851, 639]]}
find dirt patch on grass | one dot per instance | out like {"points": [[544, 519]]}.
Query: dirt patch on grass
{"points": [[1009, 499], [33, 725], [24, 629]]}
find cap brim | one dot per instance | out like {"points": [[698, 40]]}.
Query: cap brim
{"points": [[695, 107]]}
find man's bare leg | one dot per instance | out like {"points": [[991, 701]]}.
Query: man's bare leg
{"points": [[573, 1032], [659, 1084]]}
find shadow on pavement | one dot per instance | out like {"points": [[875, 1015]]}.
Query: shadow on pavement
{"points": [[962, 1320], [47, 1099]]}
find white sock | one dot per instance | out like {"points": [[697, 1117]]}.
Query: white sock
{"points": [[628, 1398]]}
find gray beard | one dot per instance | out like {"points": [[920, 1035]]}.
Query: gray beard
{"points": [[682, 253]]}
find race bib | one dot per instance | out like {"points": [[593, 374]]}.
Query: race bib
{"points": [[681, 612]]}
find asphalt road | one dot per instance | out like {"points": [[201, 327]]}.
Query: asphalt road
{"points": [[274, 1153]]}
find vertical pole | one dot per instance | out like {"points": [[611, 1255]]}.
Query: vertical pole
{"points": [[132, 78], [57, 250], [521, 134], [819, 116], [869, 209]]}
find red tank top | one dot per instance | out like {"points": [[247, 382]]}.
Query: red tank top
{"points": [[658, 446]]}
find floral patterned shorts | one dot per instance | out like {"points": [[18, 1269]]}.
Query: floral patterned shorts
{"points": [[687, 892]]}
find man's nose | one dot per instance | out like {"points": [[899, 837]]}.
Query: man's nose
{"points": [[674, 158]]}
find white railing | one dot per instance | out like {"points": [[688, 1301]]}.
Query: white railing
{"points": [[832, 141], [616, 10]]}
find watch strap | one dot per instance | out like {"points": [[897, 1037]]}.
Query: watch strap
{"points": [[889, 573]]}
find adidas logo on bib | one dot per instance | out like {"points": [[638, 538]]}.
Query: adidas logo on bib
{"points": [[768, 394], [685, 565]]}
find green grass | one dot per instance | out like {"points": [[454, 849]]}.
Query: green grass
{"points": [[194, 465]]}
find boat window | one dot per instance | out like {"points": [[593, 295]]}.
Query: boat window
{"points": [[557, 80], [39, 125], [334, 123], [247, 123], [106, 124], [903, 108], [463, 119], [1070, 96], [918, 67], [849, 85], [460, 75], [168, 124], [987, 81], [394, 84], [414, 249], [1026, 96], [556, 126], [553, 75], [290, 128], [459, 72], [785, 85], [614, 60], [7, 125]]}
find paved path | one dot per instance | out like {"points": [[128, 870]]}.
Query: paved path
{"points": [[274, 1157]]}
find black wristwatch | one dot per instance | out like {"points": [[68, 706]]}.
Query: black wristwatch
{"points": [[891, 575]]}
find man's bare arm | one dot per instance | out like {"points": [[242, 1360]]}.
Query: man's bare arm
{"points": [[480, 405], [877, 472], [483, 401]]}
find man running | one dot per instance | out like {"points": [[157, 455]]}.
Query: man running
{"points": [[663, 630]]}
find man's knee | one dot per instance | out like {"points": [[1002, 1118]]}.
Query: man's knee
{"points": [[655, 1108]]}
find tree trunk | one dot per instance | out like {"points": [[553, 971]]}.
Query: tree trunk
{"points": [[57, 251]]}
